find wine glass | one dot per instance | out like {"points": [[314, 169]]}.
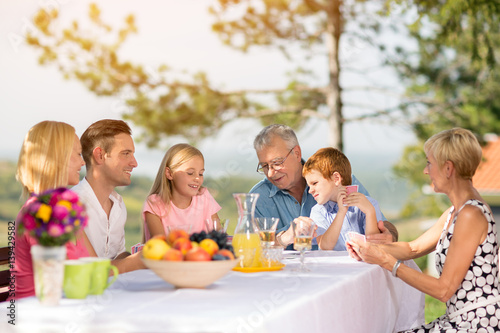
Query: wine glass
{"points": [[302, 239], [266, 227]]}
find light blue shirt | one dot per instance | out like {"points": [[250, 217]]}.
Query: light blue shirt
{"points": [[354, 220], [273, 202]]}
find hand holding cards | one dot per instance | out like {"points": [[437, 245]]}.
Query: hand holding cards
{"points": [[356, 237], [350, 189]]}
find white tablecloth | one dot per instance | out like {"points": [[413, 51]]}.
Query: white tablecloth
{"points": [[338, 295]]}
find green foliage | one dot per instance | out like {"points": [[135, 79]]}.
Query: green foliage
{"points": [[464, 21], [433, 308], [10, 192], [452, 80]]}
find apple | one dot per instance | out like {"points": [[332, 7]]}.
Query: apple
{"points": [[182, 244], [209, 245], [194, 244], [226, 253], [197, 254], [155, 248], [173, 255], [176, 234]]}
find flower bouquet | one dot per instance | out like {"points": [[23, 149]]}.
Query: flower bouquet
{"points": [[53, 218]]}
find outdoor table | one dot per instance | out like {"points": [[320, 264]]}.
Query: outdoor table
{"points": [[339, 294]]}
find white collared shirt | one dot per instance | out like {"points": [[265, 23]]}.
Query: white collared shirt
{"points": [[107, 236]]}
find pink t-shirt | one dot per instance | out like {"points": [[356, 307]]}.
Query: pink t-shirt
{"points": [[23, 265], [202, 207]]}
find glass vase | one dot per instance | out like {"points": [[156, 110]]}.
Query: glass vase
{"points": [[48, 272]]}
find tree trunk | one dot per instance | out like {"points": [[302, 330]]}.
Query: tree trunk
{"points": [[333, 95]]}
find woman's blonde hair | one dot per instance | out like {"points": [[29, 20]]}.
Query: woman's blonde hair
{"points": [[174, 157], [457, 145], [44, 157]]}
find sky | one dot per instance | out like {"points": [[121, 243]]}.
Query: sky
{"points": [[176, 33]]}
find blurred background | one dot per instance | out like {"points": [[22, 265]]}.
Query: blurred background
{"points": [[373, 78]]}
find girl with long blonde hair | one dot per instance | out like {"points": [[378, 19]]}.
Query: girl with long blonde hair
{"points": [[177, 197]]}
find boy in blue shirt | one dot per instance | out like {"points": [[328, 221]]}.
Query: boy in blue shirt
{"points": [[327, 173]]}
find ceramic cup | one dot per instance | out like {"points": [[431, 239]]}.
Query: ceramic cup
{"points": [[101, 267], [77, 276]]}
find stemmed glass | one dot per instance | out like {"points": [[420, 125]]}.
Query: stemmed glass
{"points": [[266, 226], [302, 239]]}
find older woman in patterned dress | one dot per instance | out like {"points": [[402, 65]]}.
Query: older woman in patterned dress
{"points": [[464, 238]]}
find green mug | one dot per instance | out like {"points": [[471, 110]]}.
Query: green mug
{"points": [[101, 267], [77, 278]]}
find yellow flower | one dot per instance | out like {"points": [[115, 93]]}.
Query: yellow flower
{"points": [[66, 204], [44, 213], [77, 223]]}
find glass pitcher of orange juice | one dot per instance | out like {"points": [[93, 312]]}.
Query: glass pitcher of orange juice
{"points": [[246, 240]]}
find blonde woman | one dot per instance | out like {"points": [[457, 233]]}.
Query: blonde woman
{"points": [[50, 158], [177, 196], [464, 238]]}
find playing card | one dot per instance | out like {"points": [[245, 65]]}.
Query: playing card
{"points": [[351, 189], [136, 248], [357, 237]]}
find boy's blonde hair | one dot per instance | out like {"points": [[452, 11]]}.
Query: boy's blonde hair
{"points": [[457, 145], [327, 161], [44, 157], [174, 157]]}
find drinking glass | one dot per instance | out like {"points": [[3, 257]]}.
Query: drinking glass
{"points": [[185, 227], [219, 225], [302, 239], [272, 256], [266, 227]]}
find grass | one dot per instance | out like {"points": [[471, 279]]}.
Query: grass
{"points": [[433, 308]]}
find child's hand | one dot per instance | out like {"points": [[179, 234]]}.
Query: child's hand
{"points": [[343, 206], [359, 200]]}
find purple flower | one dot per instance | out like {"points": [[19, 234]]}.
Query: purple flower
{"points": [[33, 207]]}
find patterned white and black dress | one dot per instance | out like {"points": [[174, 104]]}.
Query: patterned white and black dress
{"points": [[480, 285]]}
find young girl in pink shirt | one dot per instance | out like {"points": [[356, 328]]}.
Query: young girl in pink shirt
{"points": [[177, 197]]}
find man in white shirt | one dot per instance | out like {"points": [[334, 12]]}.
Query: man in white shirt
{"points": [[108, 150]]}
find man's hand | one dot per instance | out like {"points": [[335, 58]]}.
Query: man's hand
{"points": [[388, 233], [286, 237]]}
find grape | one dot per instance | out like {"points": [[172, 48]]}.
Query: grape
{"points": [[219, 237], [219, 257]]}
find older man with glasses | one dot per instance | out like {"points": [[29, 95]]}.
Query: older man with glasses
{"points": [[284, 192]]}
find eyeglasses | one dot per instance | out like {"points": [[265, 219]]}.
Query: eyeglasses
{"points": [[276, 165]]}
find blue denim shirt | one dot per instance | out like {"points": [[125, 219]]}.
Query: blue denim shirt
{"points": [[273, 202]]}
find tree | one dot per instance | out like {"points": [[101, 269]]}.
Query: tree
{"points": [[450, 20], [164, 105], [453, 82]]}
